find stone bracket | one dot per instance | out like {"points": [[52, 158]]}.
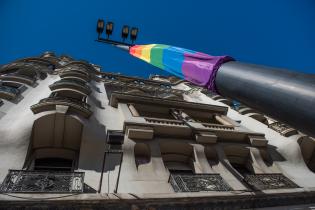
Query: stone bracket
{"points": [[257, 141], [140, 132], [206, 138]]}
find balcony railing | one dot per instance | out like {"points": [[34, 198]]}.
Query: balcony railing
{"points": [[283, 129], [154, 90], [269, 181], [198, 182], [10, 90], [49, 103], [8, 93], [20, 181]]}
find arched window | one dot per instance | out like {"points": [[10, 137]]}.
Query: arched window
{"points": [[178, 157], [55, 143], [239, 158]]}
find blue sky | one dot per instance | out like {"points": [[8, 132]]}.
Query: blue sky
{"points": [[276, 33]]}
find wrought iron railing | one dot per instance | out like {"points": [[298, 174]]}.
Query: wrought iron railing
{"points": [[283, 129], [65, 100], [269, 181], [153, 89], [198, 182], [20, 181], [9, 90]]}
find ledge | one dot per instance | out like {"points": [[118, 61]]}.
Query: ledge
{"points": [[48, 104], [237, 200], [62, 84], [74, 74], [19, 78], [125, 98]]}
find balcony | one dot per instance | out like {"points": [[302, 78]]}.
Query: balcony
{"points": [[198, 183], [81, 65], [71, 84], [19, 78], [20, 181], [76, 68], [67, 74], [50, 103], [8, 93], [283, 129]]}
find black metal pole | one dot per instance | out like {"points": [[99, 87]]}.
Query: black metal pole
{"points": [[101, 179], [282, 94], [112, 42]]}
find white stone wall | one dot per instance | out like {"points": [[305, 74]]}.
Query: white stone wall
{"points": [[16, 125], [293, 165]]}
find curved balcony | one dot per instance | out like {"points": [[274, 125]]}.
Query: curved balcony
{"points": [[82, 76], [74, 78], [29, 69], [84, 65], [71, 84], [50, 103], [8, 93], [37, 60], [19, 78], [77, 69]]}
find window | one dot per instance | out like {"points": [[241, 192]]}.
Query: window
{"points": [[202, 117], [239, 158], [178, 157], [55, 152], [151, 111], [53, 164]]}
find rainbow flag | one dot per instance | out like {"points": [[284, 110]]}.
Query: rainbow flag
{"points": [[196, 67]]}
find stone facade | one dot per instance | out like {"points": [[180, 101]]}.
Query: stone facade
{"points": [[74, 136]]}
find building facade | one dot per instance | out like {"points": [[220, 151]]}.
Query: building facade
{"points": [[72, 136]]}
